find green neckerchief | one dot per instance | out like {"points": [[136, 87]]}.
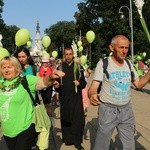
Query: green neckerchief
{"points": [[8, 85]]}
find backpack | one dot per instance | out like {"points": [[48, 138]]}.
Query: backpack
{"points": [[105, 65]]}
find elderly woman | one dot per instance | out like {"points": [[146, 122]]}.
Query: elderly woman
{"points": [[16, 108]]}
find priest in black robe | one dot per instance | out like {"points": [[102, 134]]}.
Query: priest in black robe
{"points": [[71, 105]]}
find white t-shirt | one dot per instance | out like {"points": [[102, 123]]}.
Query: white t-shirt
{"points": [[117, 89]]}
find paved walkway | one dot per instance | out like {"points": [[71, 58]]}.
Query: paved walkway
{"points": [[141, 107]]}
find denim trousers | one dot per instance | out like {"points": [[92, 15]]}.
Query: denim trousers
{"points": [[111, 117]]}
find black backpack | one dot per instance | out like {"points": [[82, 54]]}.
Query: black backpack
{"points": [[105, 65]]}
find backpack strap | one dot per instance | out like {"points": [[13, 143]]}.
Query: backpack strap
{"points": [[24, 83], [132, 73], [105, 65]]}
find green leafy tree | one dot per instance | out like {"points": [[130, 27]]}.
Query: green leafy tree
{"points": [[8, 32], [9, 38], [1, 10], [104, 19], [61, 34], [2, 24]]}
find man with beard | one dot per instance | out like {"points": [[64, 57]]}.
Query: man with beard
{"points": [[71, 106]]}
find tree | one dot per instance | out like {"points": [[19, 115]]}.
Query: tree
{"points": [[1, 10], [8, 32], [9, 38], [103, 18], [61, 34], [2, 24]]}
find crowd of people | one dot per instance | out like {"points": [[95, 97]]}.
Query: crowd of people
{"points": [[64, 82], [48, 81]]}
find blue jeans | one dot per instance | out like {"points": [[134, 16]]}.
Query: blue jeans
{"points": [[111, 117]]}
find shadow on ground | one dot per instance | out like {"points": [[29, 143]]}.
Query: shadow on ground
{"points": [[117, 145], [90, 134], [90, 131]]}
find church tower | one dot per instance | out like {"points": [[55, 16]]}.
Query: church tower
{"points": [[37, 49]]}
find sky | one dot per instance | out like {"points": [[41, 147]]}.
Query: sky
{"points": [[26, 13]]}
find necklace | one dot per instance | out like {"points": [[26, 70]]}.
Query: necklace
{"points": [[8, 88]]}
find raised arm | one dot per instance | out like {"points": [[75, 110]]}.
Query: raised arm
{"points": [[46, 81]]}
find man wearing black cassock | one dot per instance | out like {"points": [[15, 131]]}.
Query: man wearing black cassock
{"points": [[71, 105]]}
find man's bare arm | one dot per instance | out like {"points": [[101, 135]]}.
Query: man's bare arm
{"points": [[92, 93]]}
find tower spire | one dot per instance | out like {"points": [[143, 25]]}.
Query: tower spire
{"points": [[37, 49], [37, 27]]}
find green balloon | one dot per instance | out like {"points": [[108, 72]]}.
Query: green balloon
{"points": [[83, 59], [54, 54], [29, 44], [79, 43], [22, 37], [144, 54], [3, 53], [90, 36], [139, 57], [80, 48], [46, 55], [46, 41], [44, 52]]}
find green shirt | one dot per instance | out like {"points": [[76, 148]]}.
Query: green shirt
{"points": [[16, 107]]}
